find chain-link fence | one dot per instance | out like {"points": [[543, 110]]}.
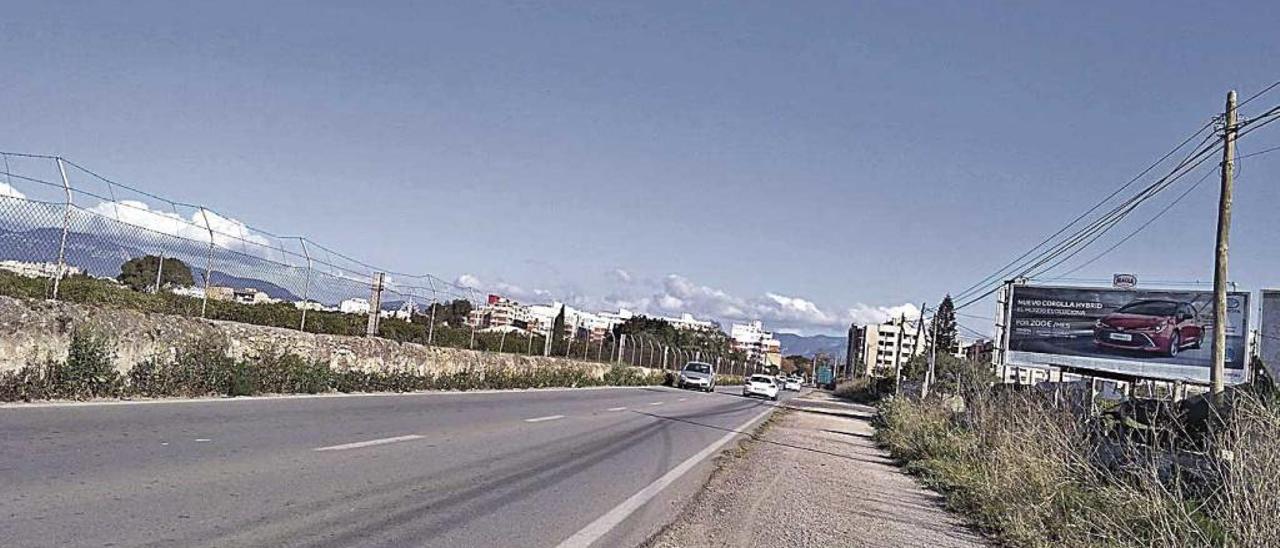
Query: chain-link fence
{"points": [[67, 232]]}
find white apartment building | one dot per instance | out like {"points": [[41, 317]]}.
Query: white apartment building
{"points": [[37, 270], [884, 341], [502, 313], [758, 344], [354, 306], [686, 321]]}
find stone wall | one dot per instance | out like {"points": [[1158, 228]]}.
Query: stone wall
{"points": [[35, 330]]}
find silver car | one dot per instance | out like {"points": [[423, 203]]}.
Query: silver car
{"points": [[697, 375]]}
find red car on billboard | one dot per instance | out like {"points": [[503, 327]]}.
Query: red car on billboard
{"points": [[1159, 326]]}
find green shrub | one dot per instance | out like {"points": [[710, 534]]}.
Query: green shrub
{"points": [[866, 390]]}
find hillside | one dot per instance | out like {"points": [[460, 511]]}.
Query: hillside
{"points": [[810, 345]]}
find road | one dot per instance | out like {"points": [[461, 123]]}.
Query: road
{"points": [[524, 468]]}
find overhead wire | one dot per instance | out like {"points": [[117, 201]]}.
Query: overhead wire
{"points": [[998, 274]]}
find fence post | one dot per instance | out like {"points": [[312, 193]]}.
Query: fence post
{"points": [[66, 227], [306, 286], [208, 262], [375, 305], [431, 322], [472, 344]]}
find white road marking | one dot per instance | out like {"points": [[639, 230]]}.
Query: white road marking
{"points": [[203, 439], [684, 399], [544, 419], [597, 529], [655, 403], [616, 409], [369, 443]]}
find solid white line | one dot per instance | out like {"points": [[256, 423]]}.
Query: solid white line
{"points": [[546, 418], [369, 443], [616, 409], [597, 529]]}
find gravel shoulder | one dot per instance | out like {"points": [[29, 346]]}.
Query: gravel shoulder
{"points": [[814, 477]]}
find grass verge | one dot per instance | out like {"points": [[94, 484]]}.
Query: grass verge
{"points": [[1034, 474]]}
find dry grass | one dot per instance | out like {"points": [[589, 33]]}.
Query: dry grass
{"points": [[1033, 474]]}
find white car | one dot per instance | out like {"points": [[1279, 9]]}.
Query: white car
{"points": [[761, 385], [792, 384]]}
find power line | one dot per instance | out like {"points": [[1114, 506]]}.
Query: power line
{"points": [[1140, 228], [1087, 235], [999, 273]]}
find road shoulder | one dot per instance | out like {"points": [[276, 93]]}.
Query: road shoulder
{"points": [[814, 477]]}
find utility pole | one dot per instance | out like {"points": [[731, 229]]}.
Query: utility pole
{"points": [[933, 357], [1218, 369], [897, 355], [375, 304]]}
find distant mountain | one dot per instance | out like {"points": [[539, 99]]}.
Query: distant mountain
{"points": [[808, 346], [102, 256]]}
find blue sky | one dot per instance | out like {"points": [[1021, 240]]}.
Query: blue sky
{"points": [[805, 163]]}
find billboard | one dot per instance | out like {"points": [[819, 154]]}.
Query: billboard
{"points": [[1159, 334], [1270, 332]]}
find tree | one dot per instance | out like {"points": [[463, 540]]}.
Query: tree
{"points": [[797, 363], [453, 313], [139, 273], [945, 318]]}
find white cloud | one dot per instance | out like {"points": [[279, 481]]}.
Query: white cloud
{"points": [[674, 294], [227, 232], [468, 281], [864, 314], [670, 303], [621, 275], [10, 192]]}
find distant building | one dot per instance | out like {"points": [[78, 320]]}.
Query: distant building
{"points": [[500, 312], [855, 347], [687, 322], [759, 345], [195, 291], [404, 312], [250, 295], [314, 306], [882, 342], [220, 293], [354, 306], [37, 270], [979, 351]]}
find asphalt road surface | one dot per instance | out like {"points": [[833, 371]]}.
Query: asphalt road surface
{"points": [[530, 468]]}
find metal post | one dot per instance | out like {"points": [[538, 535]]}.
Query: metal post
{"points": [[375, 304], [622, 346], [472, 344], [933, 358], [208, 263], [502, 343], [306, 286], [1218, 369], [897, 354], [431, 325], [66, 227]]}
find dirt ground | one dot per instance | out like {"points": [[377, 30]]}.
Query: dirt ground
{"points": [[814, 477]]}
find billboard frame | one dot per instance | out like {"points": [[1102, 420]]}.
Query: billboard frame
{"points": [[1005, 357]]}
